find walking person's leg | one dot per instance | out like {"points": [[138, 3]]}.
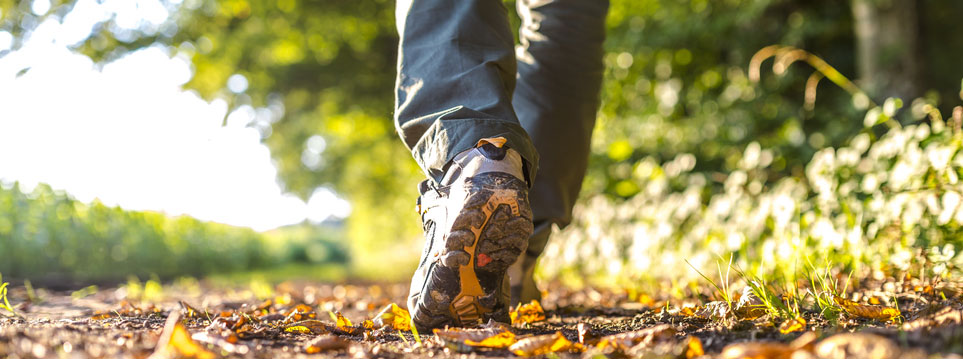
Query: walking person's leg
{"points": [[556, 99], [456, 74]]}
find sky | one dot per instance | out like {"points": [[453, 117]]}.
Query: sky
{"points": [[127, 134]]}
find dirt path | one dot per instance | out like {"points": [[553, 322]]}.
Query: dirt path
{"points": [[297, 320]]}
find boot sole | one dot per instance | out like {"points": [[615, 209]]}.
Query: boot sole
{"points": [[486, 238]]}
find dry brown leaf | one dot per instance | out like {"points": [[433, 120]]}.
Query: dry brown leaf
{"points": [[797, 324], [461, 336], [528, 313], [394, 316], [175, 341], [307, 326], [624, 341], [326, 343], [542, 344], [867, 311], [713, 310], [857, 345], [694, 348], [301, 312], [757, 350], [945, 316], [749, 306]]}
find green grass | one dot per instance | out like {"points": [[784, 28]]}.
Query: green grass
{"points": [[287, 272], [722, 289]]}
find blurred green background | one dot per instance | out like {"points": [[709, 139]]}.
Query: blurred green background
{"points": [[677, 94]]}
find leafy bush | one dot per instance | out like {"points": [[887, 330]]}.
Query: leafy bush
{"points": [[47, 235], [872, 204]]}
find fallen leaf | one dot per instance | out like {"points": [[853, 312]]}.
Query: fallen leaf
{"points": [[498, 341], [857, 345], [757, 350], [528, 313], [394, 316], [867, 311], [476, 337], [326, 343], [301, 312], [797, 324], [694, 348], [307, 326], [688, 312], [624, 341], [945, 316], [749, 306], [175, 341], [343, 324], [342, 321], [713, 310], [542, 344], [298, 329], [99, 315]]}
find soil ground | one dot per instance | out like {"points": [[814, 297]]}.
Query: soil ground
{"points": [[234, 322]]}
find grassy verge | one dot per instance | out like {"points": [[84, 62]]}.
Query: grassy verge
{"points": [[47, 236]]}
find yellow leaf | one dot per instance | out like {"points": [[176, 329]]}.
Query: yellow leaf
{"points": [[175, 341], [182, 343], [528, 313], [867, 311], [687, 311], [694, 348], [542, 344], [300, 329], [476, 336], [344, 325], [102, 316], [312, 326], [646, 300], [394, 316], [498, 341], [793, 325]]}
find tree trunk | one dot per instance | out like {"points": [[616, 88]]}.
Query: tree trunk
{"points": [[887, 57]]}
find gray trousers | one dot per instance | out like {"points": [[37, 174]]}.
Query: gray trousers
{"points": [[457, 72]]}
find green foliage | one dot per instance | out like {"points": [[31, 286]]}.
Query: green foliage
{"points": [[47, 235], [865, 206]]}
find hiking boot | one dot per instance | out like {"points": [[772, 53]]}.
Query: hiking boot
{"points": [[477, 223]]}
